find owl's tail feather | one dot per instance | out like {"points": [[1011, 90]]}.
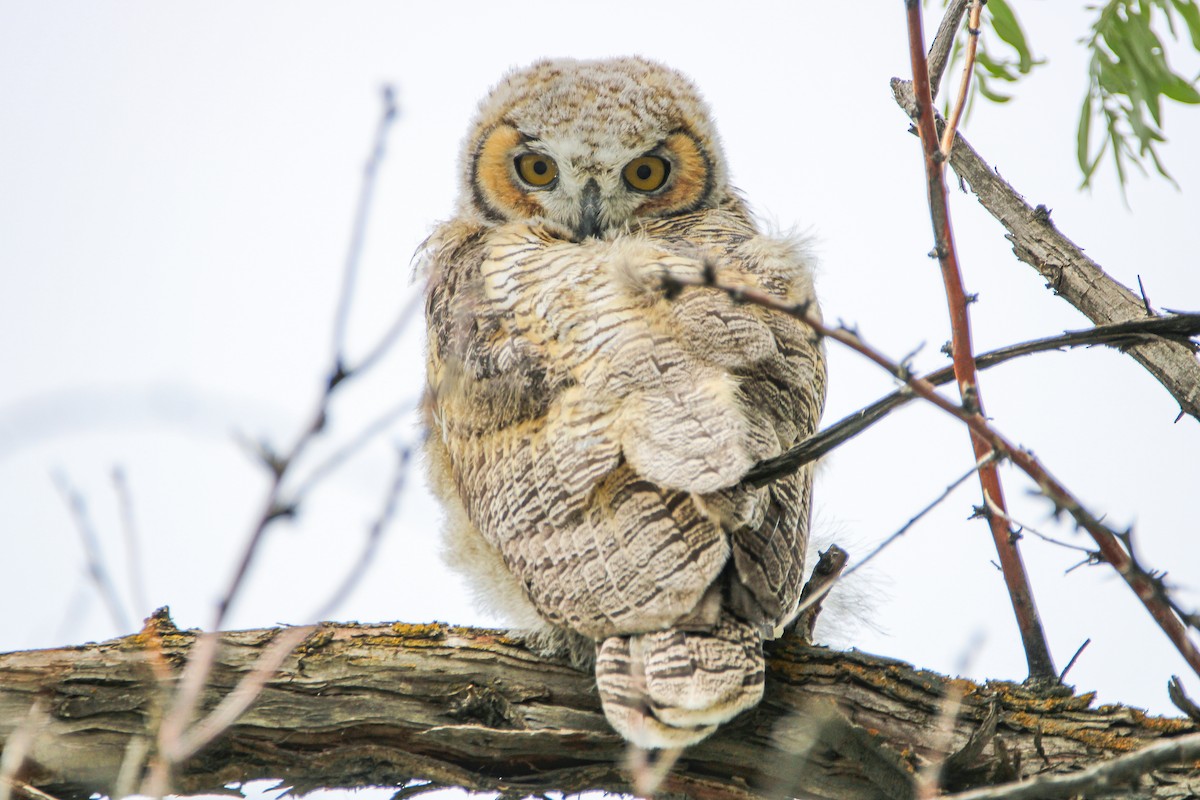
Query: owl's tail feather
{"points": [[672, 688]]}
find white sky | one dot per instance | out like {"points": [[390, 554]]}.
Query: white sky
{"points": [[176, 188]]}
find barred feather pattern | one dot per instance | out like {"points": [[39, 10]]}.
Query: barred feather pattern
{"points": [[591, 431]]}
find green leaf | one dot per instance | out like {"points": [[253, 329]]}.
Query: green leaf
{"points": [[1006, 26], [1191, 15], [990, 93], [1181, 91], [997, 69], [1083, 135]]}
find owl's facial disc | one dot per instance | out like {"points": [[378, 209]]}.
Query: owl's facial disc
{"points": [[592, 192]]}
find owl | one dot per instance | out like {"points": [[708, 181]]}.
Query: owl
{"points": [[589, 430]]}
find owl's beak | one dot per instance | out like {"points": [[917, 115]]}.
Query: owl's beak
{"points": [[589, 211]]}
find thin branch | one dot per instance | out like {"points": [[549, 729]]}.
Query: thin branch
{"points": [[407, 313], [1068, 271], [1122, 334], [1102, 776], [234, 704], [133, 550], [191, 741], [352, 446], [24, 788], [362, 212], [1113, 546], [964, 85], [171, 735], [1022, 528], [929, 779], [20, 742], [937, 501], [1062, 675], [97, 569], [943, 43], [374, 534], [1033, 637]]}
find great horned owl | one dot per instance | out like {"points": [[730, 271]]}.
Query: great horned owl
{"points": [[589, 432]]}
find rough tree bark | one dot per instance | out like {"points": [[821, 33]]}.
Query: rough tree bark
{"points": [[360, 705]]}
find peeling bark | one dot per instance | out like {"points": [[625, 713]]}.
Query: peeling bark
{"points": [[361, 705]]}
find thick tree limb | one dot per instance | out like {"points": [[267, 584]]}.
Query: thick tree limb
{"points": [[361, 705], [1067, 270]]}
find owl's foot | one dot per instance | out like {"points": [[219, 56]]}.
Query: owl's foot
{"points": [[671, 689]]}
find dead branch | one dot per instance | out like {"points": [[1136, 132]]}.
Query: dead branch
{"points": [[391, 705]]}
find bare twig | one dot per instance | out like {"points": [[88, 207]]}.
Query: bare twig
{"points": [[24, 788], [362, 212], [234, 704], [1113, 546], [133, 550], [1022, 528], [943, 43], [1104, 775], [1180, 699], [97, 569], [937, 501], [826, 573], [964, 85], [374, 534], [352, 446], [20, 743], [1037, 651], [1122, 334], [175, 741], [415, 304], [1062, 675], [929, 779]]}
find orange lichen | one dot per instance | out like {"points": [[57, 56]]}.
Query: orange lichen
{"points": [[1164, 725]]}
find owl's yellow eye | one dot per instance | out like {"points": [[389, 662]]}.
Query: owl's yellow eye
{"points": [[647, 173], [536, 169]]}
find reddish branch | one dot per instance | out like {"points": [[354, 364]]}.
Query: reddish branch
{"points": [[964, 85], [1037, 653], [1145, 584]]}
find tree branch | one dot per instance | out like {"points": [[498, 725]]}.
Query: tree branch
{"points": [[1069, 273], [1176, 327], [361, 705]]}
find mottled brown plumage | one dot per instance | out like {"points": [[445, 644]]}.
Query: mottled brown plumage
{"points": [[588, 432]]}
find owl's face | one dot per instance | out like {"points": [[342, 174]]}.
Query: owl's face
{"points": [[593, 146]]}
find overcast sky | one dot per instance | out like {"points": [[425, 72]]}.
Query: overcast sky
{"points": [[177, 183]]}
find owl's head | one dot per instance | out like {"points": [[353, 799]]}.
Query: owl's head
{"points": [[593, 146]]}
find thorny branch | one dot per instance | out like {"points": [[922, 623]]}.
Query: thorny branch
{"points": [[1113, 546], [1037, 651], [1178, 327], [1068, 271]]}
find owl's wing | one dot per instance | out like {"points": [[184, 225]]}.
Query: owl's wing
{"points": [[667, 370], [690, 390]]}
